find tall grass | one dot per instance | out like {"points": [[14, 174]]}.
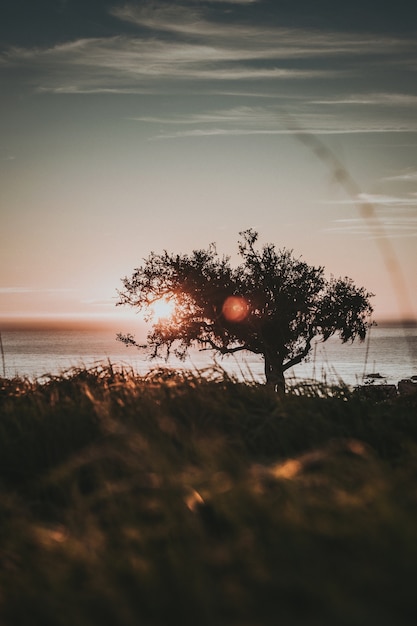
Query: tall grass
{"points": [[183, 499]]}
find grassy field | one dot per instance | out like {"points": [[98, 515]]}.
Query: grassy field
{"points": [[177, 499]]}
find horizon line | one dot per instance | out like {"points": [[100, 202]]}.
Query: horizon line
{"points": [[88, 322]]}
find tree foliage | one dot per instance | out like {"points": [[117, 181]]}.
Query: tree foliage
{"points": [[272, 304]]}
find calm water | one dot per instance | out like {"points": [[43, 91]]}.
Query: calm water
{"points": [[392, 352]]}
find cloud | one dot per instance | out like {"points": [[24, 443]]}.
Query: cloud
{"points": [[408, 175], [384, 200], [383, 99], [245, 131], [251, 120], [186, 50], [266, 38], [176, 17], [234, 115], [267, 116], [176, 43], [393, 216], [410, 200], [78, 89], [99, 302], [388, 226], [17, 290], [122, 65], [164, 17]]}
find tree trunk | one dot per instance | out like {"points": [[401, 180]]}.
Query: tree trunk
{"points": [[274, 374]]}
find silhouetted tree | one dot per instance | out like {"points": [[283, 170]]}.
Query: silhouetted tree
{"points": [[272, 304]]}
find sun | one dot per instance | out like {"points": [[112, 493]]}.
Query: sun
{"points": [[162, 308]]}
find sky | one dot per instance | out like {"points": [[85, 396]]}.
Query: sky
{"points": [[131, 127]]}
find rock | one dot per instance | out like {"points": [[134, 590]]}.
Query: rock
{"points": [[408, 386]]}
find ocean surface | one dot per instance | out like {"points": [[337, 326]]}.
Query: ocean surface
{"points": [[390, 352]]}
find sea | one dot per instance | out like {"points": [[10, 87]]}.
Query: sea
{"points": [[388, 355]]}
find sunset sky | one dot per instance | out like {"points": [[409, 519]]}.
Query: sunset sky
{"points": [[127, 127]]}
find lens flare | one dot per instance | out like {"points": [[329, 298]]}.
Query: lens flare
{"points": [[235, 309]]}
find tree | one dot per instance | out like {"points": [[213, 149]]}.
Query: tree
{"points": [[272, 304]]}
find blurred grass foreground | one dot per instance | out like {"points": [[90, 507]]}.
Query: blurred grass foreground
{"points": [[199, 500]]}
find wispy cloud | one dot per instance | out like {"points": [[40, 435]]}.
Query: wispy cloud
{"points": [[99, 302], [189, 49], [125, 63], [394, 216], [251, 120], [408, 200], [19, 290], [266, 39], [283, 131], [408, 175], [383, 99], [178, 44], [248, 115], [400, 226]]}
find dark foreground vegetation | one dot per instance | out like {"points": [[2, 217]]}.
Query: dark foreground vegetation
{"points": [[176, 499]]}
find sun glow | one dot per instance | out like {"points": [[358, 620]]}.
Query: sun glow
{"points": [[163, 308]]}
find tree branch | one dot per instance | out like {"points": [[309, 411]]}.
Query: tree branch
{"points": [[221, 349], [297, 359]]}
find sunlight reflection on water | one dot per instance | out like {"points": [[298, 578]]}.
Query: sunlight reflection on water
{"points": [[392, 353]]}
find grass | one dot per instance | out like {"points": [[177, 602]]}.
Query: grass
{"points": [[178, 499]]}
